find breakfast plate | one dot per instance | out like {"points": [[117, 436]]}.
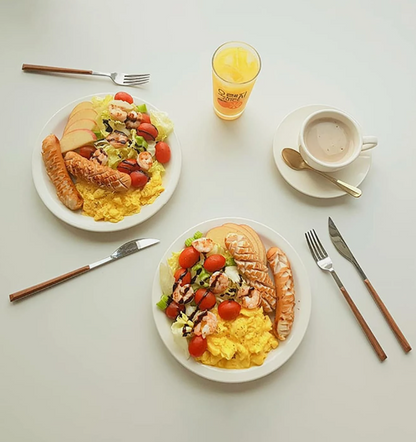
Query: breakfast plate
{"points": [[47, 192], [310, 183], [277, 357]]}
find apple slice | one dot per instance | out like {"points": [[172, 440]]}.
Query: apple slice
{"points": [[83, 114], [80, 124], [77, 138], [80, 106]]}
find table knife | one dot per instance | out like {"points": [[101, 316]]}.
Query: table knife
{"points": [[344, 250], [124, 250]]}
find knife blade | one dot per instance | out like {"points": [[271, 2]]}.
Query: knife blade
{"points": [[125, 249], [345, 251]]}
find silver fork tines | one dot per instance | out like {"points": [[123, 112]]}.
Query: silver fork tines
{"points": [[125, 79], [324, 262]]}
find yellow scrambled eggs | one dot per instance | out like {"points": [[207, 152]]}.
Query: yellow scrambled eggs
{"points": [[241, 343], [105, 205]]}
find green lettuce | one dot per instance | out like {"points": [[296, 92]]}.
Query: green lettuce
{"points": [[162, 123]]}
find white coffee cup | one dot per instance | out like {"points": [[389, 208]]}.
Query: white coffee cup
{"points": [[346, 140]]}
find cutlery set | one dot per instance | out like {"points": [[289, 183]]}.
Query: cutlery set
{"points": [[324, 262]]}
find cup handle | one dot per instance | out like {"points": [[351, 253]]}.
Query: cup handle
{"points": [[369, 143]]}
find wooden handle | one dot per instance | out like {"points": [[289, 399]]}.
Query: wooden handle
{"points": [[44, 285], [396, 330], [35, 67], [373, 340]]}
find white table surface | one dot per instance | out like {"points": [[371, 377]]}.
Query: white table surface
{"points": [[82, 361]]}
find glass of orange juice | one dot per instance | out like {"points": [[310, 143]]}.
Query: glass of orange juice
{"points": [[235, 67]]}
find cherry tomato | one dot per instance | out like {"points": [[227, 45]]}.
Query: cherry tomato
{"points": [[123, 96], [214, 263], [197, 346], [184, 275], [87, 151], [229, 310], [147, 131], [162, 152], [205, 299], [188, 257], [173, 310], [145, 118], [128, 166], [138, 179]]}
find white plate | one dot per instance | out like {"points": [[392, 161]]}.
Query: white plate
{"points": [[310, 183], [47, 192], [276, 358]]}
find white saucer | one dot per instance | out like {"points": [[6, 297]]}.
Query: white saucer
{"points": [[310, 183]]}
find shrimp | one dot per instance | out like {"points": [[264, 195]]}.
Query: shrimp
{"points": [[100, 157], [183, 294], [218, 282], [206, 324], [203, 245], [250, 297], [118, 139], [133, 120], [116, 113], [145, 160]]}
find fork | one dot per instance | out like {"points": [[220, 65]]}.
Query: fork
{"points": [[117, 77], [324, 262]]}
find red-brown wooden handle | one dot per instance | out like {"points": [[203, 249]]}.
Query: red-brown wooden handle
{"points": [[35, 67], [373, 340], [392, 323], [44, 285]]}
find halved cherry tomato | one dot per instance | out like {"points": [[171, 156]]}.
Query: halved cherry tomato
{"points": [[214, 263], [138, 179], [188, 257], [229, 310], [87, 151], [147, 131], [123, 96], [197, 346], [184, 275], [145, 118], [173, 310], [162, 152], [128, 166], [205, 299]]}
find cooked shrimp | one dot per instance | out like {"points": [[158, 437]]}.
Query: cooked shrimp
{"points": [[116, 113], [133, 120], [250, 297], [145, 160], [206, 324], [203, 245], [183, 294], [118, 139], [100, 157], [218, 282]]}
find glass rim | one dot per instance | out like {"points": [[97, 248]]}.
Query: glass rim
{"points": [[233, 82]]}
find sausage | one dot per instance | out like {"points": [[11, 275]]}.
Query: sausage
{"points": [[285, 291], [95, 173], [56, 170]]}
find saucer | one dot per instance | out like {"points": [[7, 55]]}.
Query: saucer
{"points": [[308, 182]]}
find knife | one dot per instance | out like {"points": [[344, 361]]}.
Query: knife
{"points": [[344, 250], [126, 249]]}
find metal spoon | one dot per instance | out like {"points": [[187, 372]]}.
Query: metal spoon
{"points": [[295, 161]]}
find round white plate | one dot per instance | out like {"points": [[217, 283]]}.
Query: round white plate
{"points": [[47, 192], [310, 183], [276, 358]]}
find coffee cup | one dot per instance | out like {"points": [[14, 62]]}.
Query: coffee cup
{"points": [[330, 140]]}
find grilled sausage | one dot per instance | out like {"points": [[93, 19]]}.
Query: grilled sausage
{"points": [[56, 170], [93, 172]]}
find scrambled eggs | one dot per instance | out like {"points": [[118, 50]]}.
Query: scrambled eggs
{"points": [[104, 205], [241, 343]]}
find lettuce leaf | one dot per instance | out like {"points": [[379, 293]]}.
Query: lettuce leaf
{"points": [[162, 123], [116, 156]]}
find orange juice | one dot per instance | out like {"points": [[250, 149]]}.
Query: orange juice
{"points": [[235, 67]]}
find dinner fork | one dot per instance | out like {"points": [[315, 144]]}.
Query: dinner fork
{"points": [[117, 77], [324, 262]]}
